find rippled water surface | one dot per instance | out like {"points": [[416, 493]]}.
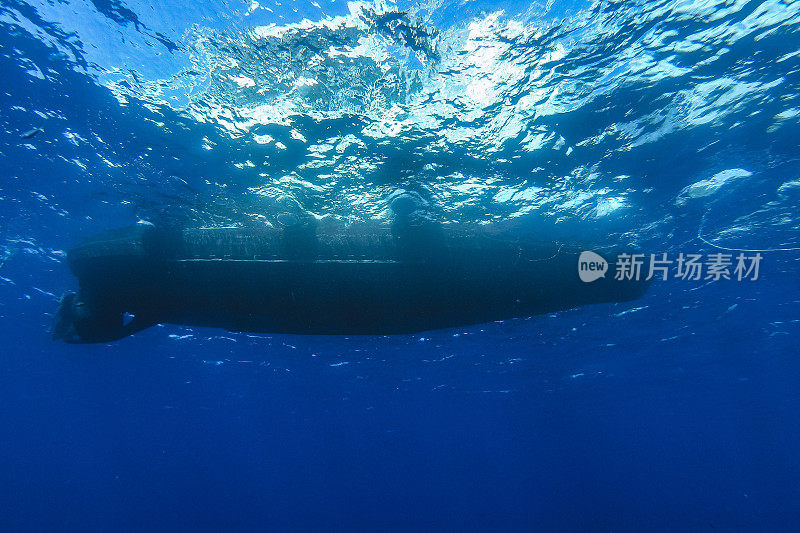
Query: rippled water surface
{"points": [[671, 125]]}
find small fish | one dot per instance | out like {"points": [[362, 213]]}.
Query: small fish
{"points": [[32, 133]]}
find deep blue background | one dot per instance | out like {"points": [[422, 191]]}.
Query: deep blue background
{"points": [[677, 412], [695, 433]]}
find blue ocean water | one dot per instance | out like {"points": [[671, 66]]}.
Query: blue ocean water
{"points": [[671, 124]]}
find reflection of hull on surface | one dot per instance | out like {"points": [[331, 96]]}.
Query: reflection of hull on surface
{"points": [[353, 280]]}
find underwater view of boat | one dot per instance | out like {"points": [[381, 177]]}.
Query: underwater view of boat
{"points": [[366, 278]]}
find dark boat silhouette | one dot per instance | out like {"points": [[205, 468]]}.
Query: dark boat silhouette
{"points": [[355, 279]]}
